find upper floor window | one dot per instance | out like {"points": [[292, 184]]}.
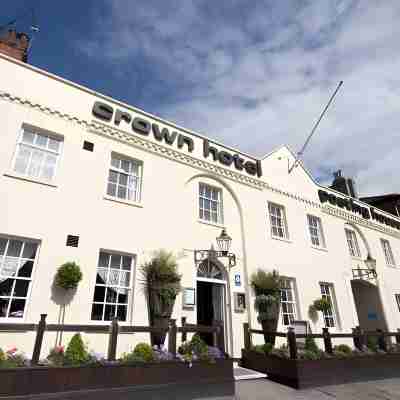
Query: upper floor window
{"points": [[37, 155], [352, 242], [397, 296], [124, 178], [210, 204], [278, 221], [316, 233], [327, 293], [17, 258], [113, 290], [288, 302], [388, 252]]}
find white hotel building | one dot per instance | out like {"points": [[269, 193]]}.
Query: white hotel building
{"points": [[86, 178]]}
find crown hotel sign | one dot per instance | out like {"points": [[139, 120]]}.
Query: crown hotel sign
{"points": [[144, 127]]}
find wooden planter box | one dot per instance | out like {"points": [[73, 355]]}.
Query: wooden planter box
{"points": [[307, 373], [121, 382]]}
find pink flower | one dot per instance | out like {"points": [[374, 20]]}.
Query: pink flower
{"points": [[59, 349], [12, 350]]}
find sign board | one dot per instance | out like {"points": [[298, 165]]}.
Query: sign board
{"points": [[238, 280], [301, 328], [189, 298]]}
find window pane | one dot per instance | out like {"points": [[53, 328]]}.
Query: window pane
{"points": [[22, 160], [121, 192], [36, 161], [49, 166], [97, 312], [6, 287], [14, 248], [41, 140], [126, 263], [3, 307], [17, 308], [3, 244], [121, 313], [26, 269], [29, 250], [125, 278], [111, 189], [123, 296], [113, 177], [28, 137], [101, 276], [99, 293], [21, 288], [111, 295], [54, 144], [123, 179], [109, 313], [125, 165], [115, 261], [10, 266]]}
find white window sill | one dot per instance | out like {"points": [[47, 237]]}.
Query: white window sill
{"points": [[211, 223], [356, 258], [281, 239], [127, 202], [14, 175], [391, 266], [320, 248]]}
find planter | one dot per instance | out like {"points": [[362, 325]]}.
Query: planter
{"points": [[175, 378], [331, 371]]}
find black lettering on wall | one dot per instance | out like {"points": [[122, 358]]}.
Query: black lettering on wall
{"points": [[102, 111], [207, 149], [250, 167], [142, 126], [225, 158], [122, 116], [182, 140], [168, 138]]}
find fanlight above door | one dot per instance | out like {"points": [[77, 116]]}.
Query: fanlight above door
{"points": [[210, 270]]}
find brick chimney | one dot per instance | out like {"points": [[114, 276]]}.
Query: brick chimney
{"points": [[15, 45]]}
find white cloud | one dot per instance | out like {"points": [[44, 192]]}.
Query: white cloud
{"points": [[256, 75]]}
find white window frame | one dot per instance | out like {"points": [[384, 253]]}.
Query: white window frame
{"points": [[352, 242], [137, 195], [387, 251], [20, 260], [316, 231], [46, 150], [328, 292], [397, 297], [219, 204], [275, 218], [130, 288], [287, 290]]}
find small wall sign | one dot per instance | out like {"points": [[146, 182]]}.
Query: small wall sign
{"points": [[372, 316], [238, 280], [189, 297], [240, 302]]}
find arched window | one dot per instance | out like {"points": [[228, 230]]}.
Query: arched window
{"points": [[211, 270]]}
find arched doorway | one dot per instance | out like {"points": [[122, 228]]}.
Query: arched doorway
{"points": [[211, 292]]}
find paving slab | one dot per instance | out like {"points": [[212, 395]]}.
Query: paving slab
{"points": [[263, 389]]}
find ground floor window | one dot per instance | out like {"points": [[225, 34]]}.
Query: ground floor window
{"points": [[17, 258], [327, 293], [113, 289], [288, 302], [398, 300]]}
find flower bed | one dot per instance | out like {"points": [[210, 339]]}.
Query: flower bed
{"points": [[197, 371], [320, 369]]}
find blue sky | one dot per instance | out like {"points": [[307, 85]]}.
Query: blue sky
{"points": [[253, 75]]}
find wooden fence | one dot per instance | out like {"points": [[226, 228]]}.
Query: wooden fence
{"points": [[113, 330], [359, 337]]}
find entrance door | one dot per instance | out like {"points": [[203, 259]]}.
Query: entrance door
{"points": [[210, 306]]}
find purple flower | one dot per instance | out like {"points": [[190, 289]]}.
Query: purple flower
{"points": [[215, 352]]}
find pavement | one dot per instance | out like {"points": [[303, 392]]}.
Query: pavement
{"points": [[263, 389]]}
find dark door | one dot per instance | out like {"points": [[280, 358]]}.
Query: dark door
{"points": [[205, 311]]}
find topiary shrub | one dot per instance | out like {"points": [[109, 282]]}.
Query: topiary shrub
{"points": [[310, 344], [68, 276], [372, 343], [322, 304], [57, 356], [76, 353], [143, 351], [342, 351]]}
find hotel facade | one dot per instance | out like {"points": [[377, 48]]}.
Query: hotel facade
{"points": [[86, 178]]}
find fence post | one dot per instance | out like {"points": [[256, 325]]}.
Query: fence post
{"points": [[39, 339], [172, 336], [215, 334], [112, 340], [381, 340], [327, 340], [184, 334], [398, 336], [358, 338], [291, 339], [246, 335]]}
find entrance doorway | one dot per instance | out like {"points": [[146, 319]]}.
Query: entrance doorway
{"points": [[368, 305], [211, 298], [210, 306]]}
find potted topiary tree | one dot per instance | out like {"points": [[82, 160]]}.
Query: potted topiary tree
{"points": [[266, 286], [321, 305], [162, 283]]}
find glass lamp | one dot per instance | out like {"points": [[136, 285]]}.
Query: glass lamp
{"points": [[224, 242]]}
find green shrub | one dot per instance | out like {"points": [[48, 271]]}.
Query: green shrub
{"points": [[322, 304], [309, 355], [372, 343], [144, 352], [263, 348], [196, 345], [310, 344], [56, 356], [343, 348], [313, 313], [76, 353], [68, 276], [267, 283], [2, 356]]}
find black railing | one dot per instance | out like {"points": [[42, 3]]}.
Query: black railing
{"points": [[360, 338]]}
